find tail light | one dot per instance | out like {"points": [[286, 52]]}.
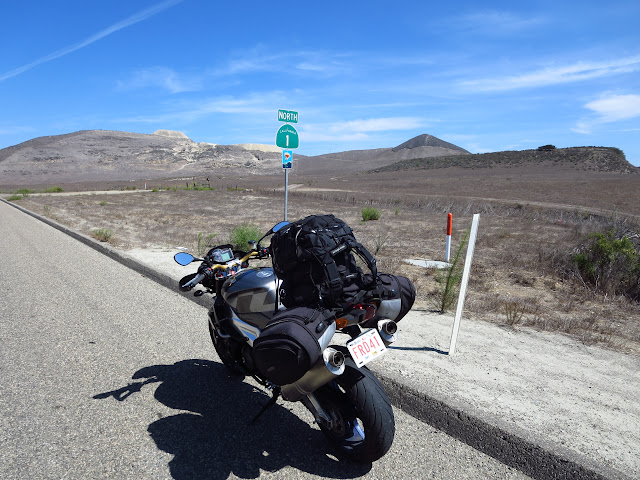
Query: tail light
{"points": [[368, 309]]}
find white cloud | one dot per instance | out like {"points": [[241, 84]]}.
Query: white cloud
{"points": [[357, 130], [162, 77], [616, 107], [378, 124], [127, 22], [554, 75], [497, 22], [310, 135], [259, 105], [610, 108], [302, 62]]}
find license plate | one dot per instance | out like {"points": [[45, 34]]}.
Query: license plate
{"points": [[366, 347]]}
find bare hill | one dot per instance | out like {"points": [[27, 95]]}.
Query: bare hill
{"points": [[427, 141], [596, 159], [422, 146], [100, 155]]}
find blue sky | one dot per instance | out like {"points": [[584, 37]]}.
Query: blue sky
{"points": [[487, 77]]}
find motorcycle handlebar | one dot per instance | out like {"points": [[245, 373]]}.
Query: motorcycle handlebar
{"points": [[201, 276], [194, 281]]}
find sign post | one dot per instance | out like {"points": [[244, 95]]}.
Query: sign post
{"points": [[287, 138], [287, 162]]}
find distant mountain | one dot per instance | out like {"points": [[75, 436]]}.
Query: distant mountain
{"points": [[108, 156], [597, 159], [422, 146], [102, 155], [427, 141]]}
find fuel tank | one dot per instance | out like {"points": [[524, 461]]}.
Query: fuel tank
{"points": [[252, 295]]}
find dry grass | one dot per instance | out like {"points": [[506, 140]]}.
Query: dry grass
{"points": [[517, 277]]}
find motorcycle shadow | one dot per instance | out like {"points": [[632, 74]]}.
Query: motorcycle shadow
{"points": [[212, 438]]}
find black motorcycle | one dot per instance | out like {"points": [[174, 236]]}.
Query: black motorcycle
{"points": [[346, 399]]}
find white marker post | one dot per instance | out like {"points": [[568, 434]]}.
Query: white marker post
{"points": [[447, 250], [465, 280]]}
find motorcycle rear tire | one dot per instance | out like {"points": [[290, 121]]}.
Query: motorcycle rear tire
{"points": [[364, 426], [228, 350]]}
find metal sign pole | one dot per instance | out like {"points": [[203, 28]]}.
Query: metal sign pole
{"points": [[286, 192], [287, 138]]}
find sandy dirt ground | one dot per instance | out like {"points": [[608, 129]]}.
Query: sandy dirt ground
{"points": [[544, 387]]}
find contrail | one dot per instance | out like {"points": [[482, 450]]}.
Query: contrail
{"points": [[127, 22]]}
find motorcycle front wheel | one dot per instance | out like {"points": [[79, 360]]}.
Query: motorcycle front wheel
{"points": [[228, 350], [362, 424]]}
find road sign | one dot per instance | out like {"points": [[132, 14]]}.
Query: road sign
{"points": [[287, 137], [287, 158], [287, 116]]}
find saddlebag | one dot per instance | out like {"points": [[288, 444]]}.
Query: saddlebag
{"points": [[396, 295], [292, 342]]}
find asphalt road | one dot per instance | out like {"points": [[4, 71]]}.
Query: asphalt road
{"points": [[106, 374]]}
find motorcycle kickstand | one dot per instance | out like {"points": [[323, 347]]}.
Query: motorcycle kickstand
{"points": [[270, 403]]}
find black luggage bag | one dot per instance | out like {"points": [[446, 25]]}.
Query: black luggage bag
{"points": [[291, 343], [314, 259]]}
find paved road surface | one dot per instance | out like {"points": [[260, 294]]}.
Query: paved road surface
{"points": [[106, 374]]}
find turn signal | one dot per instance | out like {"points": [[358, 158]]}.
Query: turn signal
{"points": [[341, 322]]}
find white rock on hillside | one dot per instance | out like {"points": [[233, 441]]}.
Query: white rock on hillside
{"points": [[259, 147], [172, 134]]}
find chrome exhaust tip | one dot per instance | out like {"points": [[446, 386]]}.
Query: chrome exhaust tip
{"points": [[335, 358], [388, 330], [390, 327]]}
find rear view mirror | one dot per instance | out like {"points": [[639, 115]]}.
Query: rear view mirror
{"points": [[279, 226], [183, 258]]}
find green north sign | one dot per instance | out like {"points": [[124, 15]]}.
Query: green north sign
{"points": [[287, 116], [287, 137]]}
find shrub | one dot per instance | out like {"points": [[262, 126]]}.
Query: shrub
{"points": [[53, 190], [609, 264], [514, 311], [370, 213], [449, 279], [241, 235], [380, 241], [25, 191], [13, 198], [204, 243], [103, 234]]}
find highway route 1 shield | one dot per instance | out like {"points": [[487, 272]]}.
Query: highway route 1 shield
{"points": [[287, 137]]}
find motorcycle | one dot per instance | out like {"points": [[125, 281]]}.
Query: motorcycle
{"points": [[346, 399]]}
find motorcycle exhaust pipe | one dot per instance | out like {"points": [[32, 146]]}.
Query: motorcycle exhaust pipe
{"points": [[328, 367], [388, 330]]}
